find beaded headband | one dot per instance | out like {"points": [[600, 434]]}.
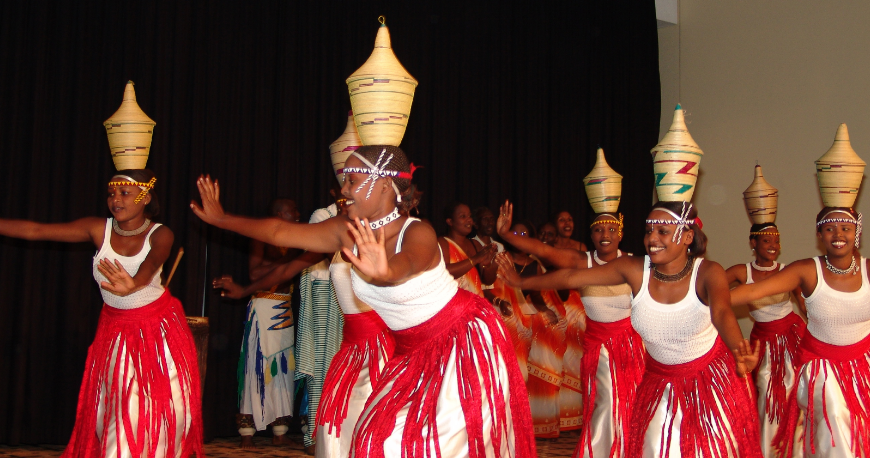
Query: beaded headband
{"points": [[851, 219], [376, 171], [679, 220], [145, 187], [608, 218], [766, 230]]}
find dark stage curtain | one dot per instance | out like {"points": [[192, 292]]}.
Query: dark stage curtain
{"points": [[512, 103]]}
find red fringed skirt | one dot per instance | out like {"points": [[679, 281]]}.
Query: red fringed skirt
{"points": [[834, 395], [140, 394], [701, 406], [612, 369], [776, 374], [453, 388], [355, 370]]}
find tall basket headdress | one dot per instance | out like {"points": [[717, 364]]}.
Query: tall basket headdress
{"points": [[760, 199], [604, 189], [343, 147], [839, 172], [130, 131], [381, 93]]}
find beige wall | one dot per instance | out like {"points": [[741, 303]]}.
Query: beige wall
{"points": [[766, 81]]}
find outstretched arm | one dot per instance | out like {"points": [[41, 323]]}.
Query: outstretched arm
{"points": [[715, 288], [278, 275], [562, 258], [612, 273], [80, 230], [785, 280], [326, 237]]}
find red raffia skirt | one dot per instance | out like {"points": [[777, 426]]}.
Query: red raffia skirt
{"points": [[612, 379], [844, 373], [453, 388], [140, 393], [703, 401], [776, 374], [355, 370]]}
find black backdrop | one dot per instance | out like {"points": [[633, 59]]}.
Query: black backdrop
{"points": [[511, 104]]}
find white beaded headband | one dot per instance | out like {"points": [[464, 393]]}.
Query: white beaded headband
{"points": [[851, 219], [679, 220], [375, 172]]}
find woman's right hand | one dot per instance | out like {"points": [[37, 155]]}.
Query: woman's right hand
{"points": [[485, 255], [507, 271], [211, 210], [505, 217], [229, 288]]}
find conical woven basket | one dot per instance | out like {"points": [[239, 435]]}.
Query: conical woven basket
{"points": [[603, 186], [343, 146], [676, 160], [760, 199], [839, 172], [381, 92], [129, 131]]}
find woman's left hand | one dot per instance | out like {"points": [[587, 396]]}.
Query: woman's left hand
{"points": [[119, 281], [372, 249], [747, 357]]}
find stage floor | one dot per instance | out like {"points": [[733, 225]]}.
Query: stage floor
{"points": [[228, 448]]}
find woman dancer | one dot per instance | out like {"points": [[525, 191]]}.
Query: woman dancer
{"points": [[140, 395], [455, 248], [445, 336], [777, 328], [612, 352], [692, 399]]}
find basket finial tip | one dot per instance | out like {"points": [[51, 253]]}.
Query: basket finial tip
{"points": [[679, 107], [382, 19]]}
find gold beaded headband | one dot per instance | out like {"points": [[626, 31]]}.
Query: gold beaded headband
{"points": [[767, 230], [609, 219], [145, 187]]}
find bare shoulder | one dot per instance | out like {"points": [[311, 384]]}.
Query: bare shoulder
{"points": [[802, 264], [737, 271], [163, 235], [421, 232]]}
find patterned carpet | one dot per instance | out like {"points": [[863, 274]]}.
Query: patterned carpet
{"points": [[228, 448]]}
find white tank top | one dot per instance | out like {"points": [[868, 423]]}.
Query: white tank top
{"points": [[773, 307], [131, 264], [673, 333], [412, 302], [836, 317], [606, 304], [339, 272]]}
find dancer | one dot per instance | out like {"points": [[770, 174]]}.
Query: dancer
{"points": [[564, 223], [455, 248], [612, 353], [833, 391], [266, 361], [693, 398], [140, 395], [443, 335], [777, 328]]}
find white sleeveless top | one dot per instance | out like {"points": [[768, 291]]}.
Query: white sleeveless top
{"points": [[836, 317], [772, 307], [412, 302], [131, 264], [339, 272], [673, 333], [606, 304]]}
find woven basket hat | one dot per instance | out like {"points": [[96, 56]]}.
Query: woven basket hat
{"points": [[381, 92], [129, 131], [760, 199], [343, 146], [676, 160], [603, 186], [839, 172]]}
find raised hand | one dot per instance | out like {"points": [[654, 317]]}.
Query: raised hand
{"points": [[372, 250], [228, 287], [747, 357], [119, 283], [505, 217], [507, 271], [485, 255], [211, 210]]}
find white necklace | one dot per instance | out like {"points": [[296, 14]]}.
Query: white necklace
{"points": [[599, 261], [137, 231], [853, 267], [764, 269], [385, 220]]}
